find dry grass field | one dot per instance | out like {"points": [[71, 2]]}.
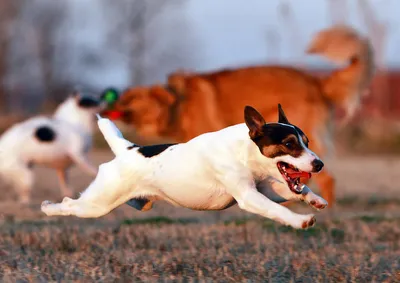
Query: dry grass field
{"points": [[359, 241]]}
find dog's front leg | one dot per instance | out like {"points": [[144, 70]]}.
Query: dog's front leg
{"points": [[315, 201], [251, 200], [106, 192], [281, 192]]}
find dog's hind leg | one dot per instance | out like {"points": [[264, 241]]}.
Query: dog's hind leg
{"points": [[82, 161], [109, 190], [79, 208], [63, 181], [22, 179]]}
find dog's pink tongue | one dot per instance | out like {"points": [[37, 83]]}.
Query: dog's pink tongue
{"points": [[297, 174]]}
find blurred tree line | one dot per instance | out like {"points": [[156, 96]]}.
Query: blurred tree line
{"points": [[48, 48]]}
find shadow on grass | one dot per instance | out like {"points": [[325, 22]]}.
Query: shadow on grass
{"points": [[158, 220], [377, 218], [318, 230], [336, 234], [239, 221], [371, 201]]}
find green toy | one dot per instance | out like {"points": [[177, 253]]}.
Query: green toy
{"points": [[110, 95]]}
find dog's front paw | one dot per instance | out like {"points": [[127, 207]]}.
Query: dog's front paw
{"points": [[304, 221], [308, 222], [318, 203]]}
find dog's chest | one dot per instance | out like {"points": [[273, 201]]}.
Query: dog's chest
{"points": [[195, 190], [201, 199], [186, 176]]}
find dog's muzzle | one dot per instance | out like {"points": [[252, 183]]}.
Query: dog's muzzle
{"points": [[317, 165]]}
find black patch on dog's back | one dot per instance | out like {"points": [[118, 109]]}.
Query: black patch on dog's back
{"points": [[132, 146], [88, 102], [153, 150], [45, 134]]}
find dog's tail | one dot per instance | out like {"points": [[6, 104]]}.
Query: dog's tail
{"points": [[112, 135], [343, 44]]}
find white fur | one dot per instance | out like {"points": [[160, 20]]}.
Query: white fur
{"points": [[19, 148], [205, 173]]}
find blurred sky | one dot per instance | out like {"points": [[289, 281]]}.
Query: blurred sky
{"points": [[235, 31], [94, 44]]}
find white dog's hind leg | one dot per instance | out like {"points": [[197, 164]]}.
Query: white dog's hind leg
{"points": [[24, 182], [82, 161], [63, 181], [20, 178], [106, 192], [79, 208]]}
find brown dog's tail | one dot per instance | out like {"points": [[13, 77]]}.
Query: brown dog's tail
{"points": [[344, 87]]}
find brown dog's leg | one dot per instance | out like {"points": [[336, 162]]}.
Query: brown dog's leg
{"points": [[326, 185]]}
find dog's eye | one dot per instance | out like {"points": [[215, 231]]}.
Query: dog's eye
{"points": [[289, 145]]}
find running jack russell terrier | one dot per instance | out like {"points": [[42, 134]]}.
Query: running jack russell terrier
{"points": [[256, 165], [56, 142]]}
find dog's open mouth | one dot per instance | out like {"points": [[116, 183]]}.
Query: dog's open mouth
{"points": [[292, 176]]}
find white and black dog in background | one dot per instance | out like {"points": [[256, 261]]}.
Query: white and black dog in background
{"points": [[255, 164], [56, 142]]}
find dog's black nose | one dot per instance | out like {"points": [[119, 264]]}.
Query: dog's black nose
{"points": [[317, 165]]}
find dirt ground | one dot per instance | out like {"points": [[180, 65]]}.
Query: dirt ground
{"points": [[358, 241]]}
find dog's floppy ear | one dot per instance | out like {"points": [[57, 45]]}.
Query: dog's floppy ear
{"points": [[162, 95], [282, 117], [254, 121]]}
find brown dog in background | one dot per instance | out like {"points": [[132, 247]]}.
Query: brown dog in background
{"points": [[191, 104]]}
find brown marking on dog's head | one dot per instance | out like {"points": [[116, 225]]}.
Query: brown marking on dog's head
{"points": [[284, 143], [146, 109], [275, 139], [284, 120]]}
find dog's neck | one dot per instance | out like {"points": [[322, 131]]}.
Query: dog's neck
{"points": [[173, 125], [247, 153], [260, 166], [183, 121], [70, 113]]}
